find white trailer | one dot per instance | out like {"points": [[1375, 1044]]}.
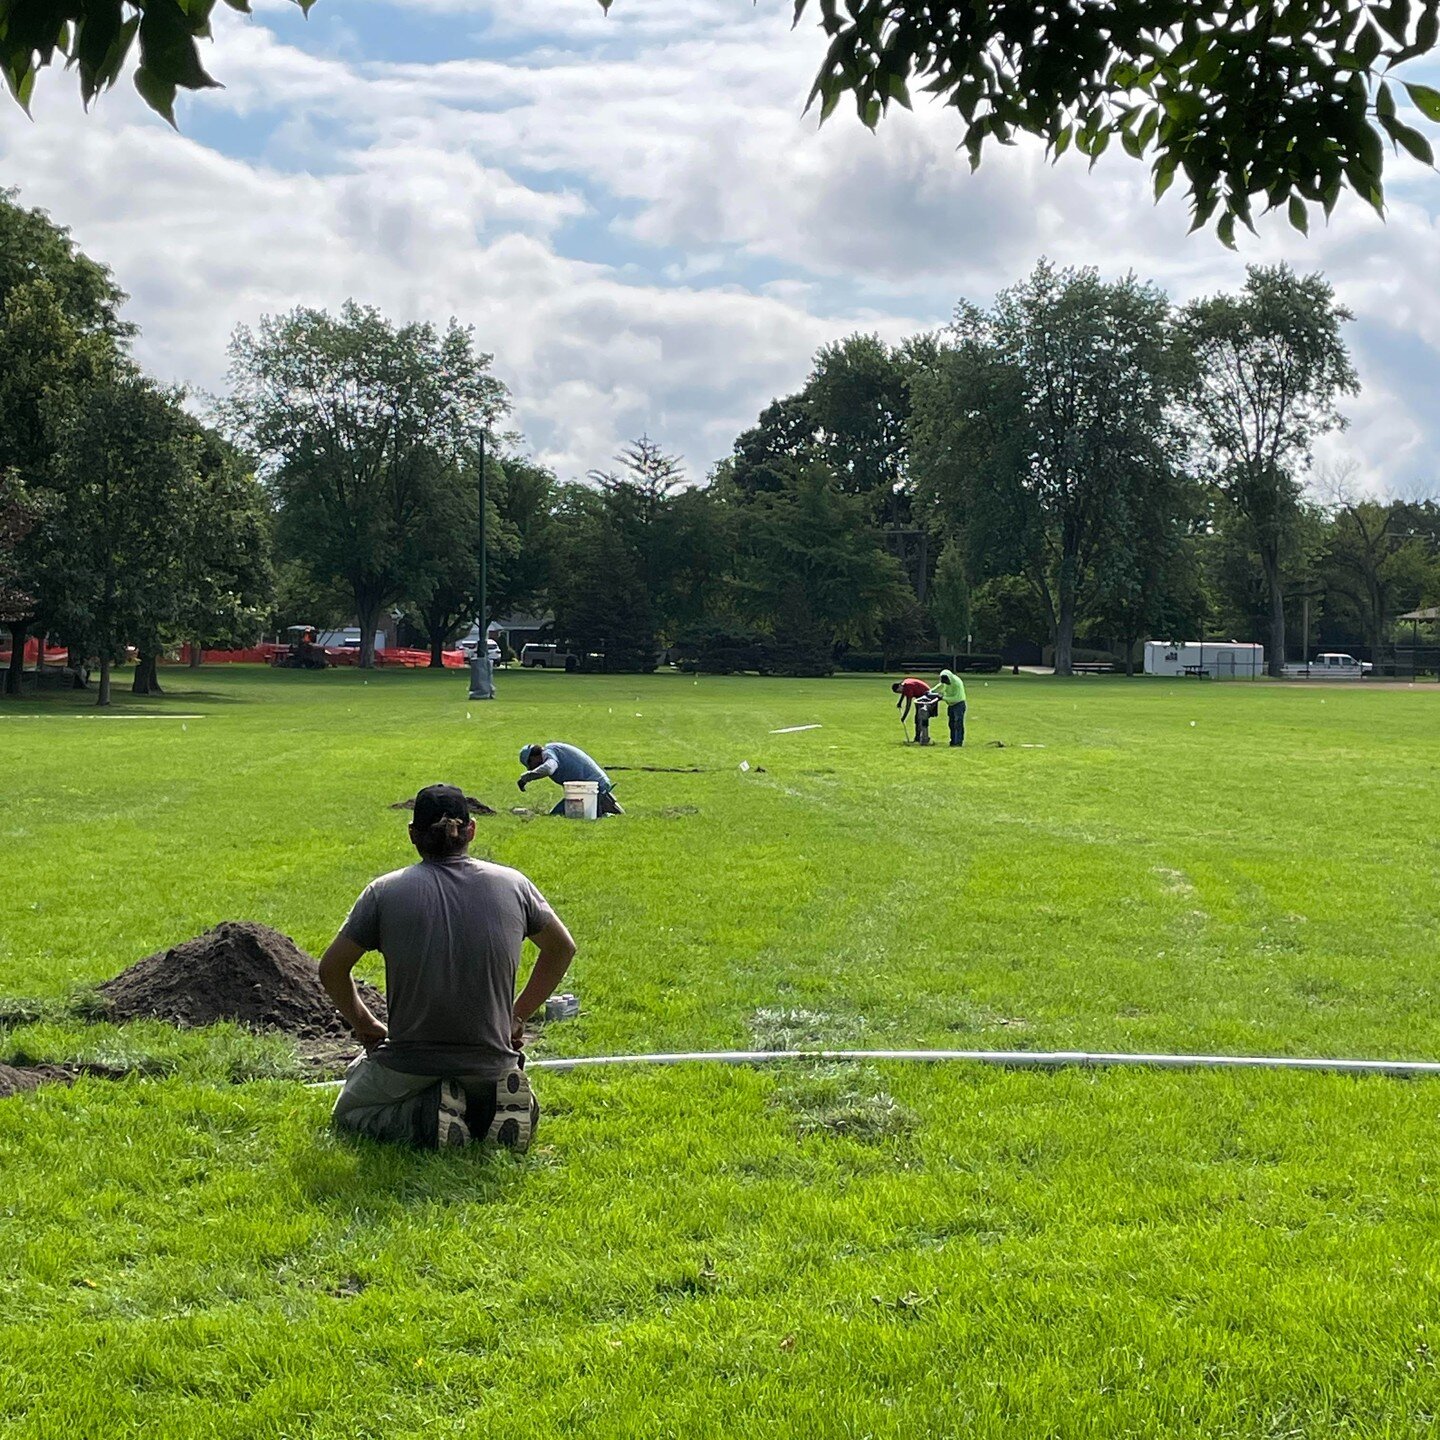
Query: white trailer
{"points": [[348, 638], [1207, 659]]}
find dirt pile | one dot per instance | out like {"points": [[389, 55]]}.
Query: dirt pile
{"points": [[15, 1078], [239, 971], [476, 807]]}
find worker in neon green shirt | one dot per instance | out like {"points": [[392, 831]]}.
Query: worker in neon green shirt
{"points": [[952, 691]]}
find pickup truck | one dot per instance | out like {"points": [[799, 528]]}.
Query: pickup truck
{"points": [[548, 657], [1331, 665]]}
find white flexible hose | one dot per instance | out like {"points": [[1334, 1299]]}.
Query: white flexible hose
{"points": [[1009, 1059]]}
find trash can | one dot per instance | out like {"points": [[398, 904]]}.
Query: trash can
{"points": [[582, 800]]}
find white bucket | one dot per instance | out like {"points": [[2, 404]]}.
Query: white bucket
{"points": [[582, 799]]}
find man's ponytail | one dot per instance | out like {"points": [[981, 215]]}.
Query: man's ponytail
{"points": [[442, 839]]}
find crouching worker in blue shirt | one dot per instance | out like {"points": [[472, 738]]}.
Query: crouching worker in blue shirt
{"points": [[558, 762]]}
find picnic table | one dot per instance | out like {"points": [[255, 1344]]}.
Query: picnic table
{"points": [[1200, 672]]}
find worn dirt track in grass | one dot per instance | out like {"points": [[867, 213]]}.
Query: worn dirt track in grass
{"points": [[239, 971]]}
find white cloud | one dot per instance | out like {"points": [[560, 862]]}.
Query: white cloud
{"points": [[633, 213]]}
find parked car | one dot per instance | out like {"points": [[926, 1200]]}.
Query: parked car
{"points": [[548, 657], [470, 643]]}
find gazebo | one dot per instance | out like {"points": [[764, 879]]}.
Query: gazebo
{"points": [[1417, 618]]}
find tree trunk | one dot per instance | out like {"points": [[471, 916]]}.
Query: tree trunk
{"points": [[197, 655], [367, 613], [437, 650], [19, 629], [147, 678], [1270, 562], [1375, 626], [103, 698], [1130, 657], [1065, 640], [1065, 617]]}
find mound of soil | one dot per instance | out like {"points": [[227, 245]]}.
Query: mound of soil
{"points": [[15, 1078], [239, 971]]}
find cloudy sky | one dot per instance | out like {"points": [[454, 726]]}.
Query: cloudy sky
{"points": [[635, 215]]}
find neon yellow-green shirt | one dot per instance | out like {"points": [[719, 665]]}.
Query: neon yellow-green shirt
{"points": [[951, 688]]}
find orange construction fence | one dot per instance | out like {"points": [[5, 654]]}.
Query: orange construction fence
{"points": [[54, 654], [264, 654]]}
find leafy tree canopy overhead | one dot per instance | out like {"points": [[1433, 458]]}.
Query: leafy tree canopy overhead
{"points": [[95, 38], [1249, 102], [1269, 102]]}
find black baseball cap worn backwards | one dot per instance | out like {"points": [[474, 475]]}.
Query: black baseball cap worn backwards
{"points": [[440, 802]]}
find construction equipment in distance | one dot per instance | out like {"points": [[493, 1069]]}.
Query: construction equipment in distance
{"points": [[303, 652]]}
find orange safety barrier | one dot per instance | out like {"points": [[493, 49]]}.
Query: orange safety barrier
{"points": [[253, 655], [54, 654], [336, 655]]}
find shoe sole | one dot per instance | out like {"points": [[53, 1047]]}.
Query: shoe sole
{"points": [[451, 1129], [512, 1123]]}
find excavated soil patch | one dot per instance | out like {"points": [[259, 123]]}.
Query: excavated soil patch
{"points": [[475, 807], [15, 1078], [662, 769], [239, 971]]}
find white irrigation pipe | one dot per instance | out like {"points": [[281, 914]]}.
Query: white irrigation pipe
{"points": [[1008, 1059]]}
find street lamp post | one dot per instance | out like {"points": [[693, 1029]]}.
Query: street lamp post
{"points": [[482, 674]]}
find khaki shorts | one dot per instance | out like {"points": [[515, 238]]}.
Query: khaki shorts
{"points": [[391, 1105]]}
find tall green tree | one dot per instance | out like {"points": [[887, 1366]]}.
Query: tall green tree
{"points": [[1378, 561], [950, 599], [227, 583], [1044, 427], [129, 460], [17, 519], [859, 402], [599, 592], [1151, 582], [764, 455], [356, 421], [525, 500], [851, 415], [443, 582], [811, 570], [60, 333], [1270, 367], [672, 531]]}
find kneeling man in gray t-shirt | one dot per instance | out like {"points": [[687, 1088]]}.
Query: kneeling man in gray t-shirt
{"points": [[448, 1067]]}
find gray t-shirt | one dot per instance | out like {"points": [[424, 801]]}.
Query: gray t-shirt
{"points": [[450, 932]]}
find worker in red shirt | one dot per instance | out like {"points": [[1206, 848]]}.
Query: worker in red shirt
{"points": [[917, 693]]}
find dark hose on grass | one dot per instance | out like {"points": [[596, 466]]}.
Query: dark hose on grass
{"points": [[1006, 1059]]}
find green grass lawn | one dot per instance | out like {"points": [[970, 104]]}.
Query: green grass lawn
{"points": [[877, 1250]]}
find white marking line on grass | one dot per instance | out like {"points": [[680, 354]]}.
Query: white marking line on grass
{"points": [[794, 729], [1008, 1059]]}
